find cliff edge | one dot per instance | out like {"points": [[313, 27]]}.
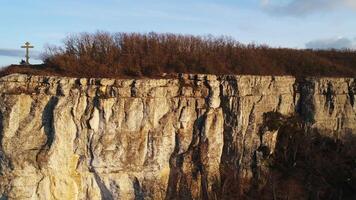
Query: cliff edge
{"points": [[192, 137]]}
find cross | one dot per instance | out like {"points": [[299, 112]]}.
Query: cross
{"points": [[27, 46]]}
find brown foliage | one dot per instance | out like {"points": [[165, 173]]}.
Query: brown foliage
{"points": [[104, 54], [30, 69], [307, 164]]}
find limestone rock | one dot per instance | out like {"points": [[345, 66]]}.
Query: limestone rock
{"points": [[179, 138]]}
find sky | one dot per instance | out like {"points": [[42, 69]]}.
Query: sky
{"points": [[319, 24]]}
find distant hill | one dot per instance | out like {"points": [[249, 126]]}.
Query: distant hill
{"points": [[149, 55]]}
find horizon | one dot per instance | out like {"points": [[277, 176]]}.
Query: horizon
{"points": [[317, 24]]}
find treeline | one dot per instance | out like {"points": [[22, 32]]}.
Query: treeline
{"points": [[104, 54]]}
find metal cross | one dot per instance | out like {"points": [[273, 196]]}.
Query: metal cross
{"points": [[27, 46]]}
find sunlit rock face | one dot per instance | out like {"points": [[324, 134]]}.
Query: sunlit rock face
{"points": [[190, 137]]}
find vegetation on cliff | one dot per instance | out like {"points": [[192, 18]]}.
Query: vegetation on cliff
{"points": [[306, 164], [104, 54]]}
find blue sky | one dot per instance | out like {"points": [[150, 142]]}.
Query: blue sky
{"points": [[284, 23]]}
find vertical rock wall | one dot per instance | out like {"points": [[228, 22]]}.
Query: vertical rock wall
{"points": [[192, 137]]}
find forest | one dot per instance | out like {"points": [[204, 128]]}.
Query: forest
{"points": [[121, 55]]}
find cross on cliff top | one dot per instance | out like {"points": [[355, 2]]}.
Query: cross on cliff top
{"points": [[27, 46]]}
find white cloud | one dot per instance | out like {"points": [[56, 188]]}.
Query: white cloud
{"points": [[332, 43], [265, 2], [351, 3], [305, 7]]}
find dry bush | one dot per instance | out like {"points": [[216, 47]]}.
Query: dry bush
{"points": [[306, 164], [134, 54], [104, 54]]}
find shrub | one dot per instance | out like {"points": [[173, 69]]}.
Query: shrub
{"points": [[104, 54]]}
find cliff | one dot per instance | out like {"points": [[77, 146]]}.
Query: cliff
{"points": [[192, 137]]}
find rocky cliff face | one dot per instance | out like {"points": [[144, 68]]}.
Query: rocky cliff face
{"points": [[192, 137]]}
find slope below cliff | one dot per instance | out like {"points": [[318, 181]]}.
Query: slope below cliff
{"points": [[192, 137]]}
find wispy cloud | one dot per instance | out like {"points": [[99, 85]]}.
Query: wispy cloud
{"points": [[332, 43], [11, 52], [18, 53], [305, 7]]}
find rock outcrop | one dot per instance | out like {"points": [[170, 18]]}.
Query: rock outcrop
{"points": [[190, 137]]}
